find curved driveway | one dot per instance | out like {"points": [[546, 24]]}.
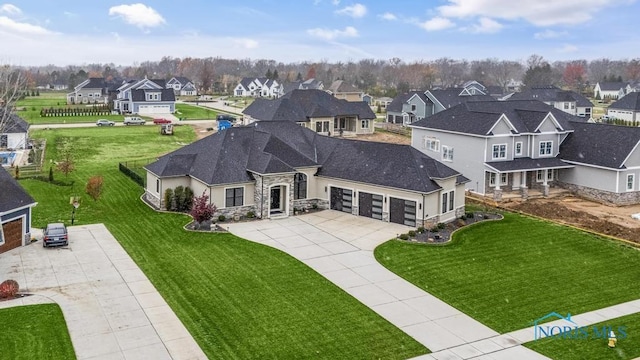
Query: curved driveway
{"points": [[340, 247]]}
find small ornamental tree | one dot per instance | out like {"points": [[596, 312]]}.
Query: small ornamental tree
{"points": [[168, 199], [94, 187], [9, 289], [202, 210], [188, 199], [178, 198]]}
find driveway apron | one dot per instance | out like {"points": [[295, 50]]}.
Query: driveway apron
{"points": [[111, 309]]}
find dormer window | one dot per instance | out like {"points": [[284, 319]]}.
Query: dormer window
{"points": [[546, 148]]}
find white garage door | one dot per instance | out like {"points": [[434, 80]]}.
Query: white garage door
{"points": [[154, 109]]}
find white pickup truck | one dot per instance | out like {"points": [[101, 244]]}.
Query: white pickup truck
{"points": [[133, 120]]}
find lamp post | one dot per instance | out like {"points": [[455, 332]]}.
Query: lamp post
{"points": [[75, 205]]}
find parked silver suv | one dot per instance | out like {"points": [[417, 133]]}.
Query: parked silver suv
{"points": [[133, 120]]}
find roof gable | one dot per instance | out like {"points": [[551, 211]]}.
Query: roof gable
{"points": [[12, 196], [502, 126], [631, 101]]}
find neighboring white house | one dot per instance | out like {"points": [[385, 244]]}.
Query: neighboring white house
{"points": [[15, 133], [568, 101], [258, 87], [90, 91], [182, 86], [626, 108], [609, 90]]}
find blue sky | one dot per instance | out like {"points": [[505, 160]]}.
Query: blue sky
{"points": [[77, 32]]}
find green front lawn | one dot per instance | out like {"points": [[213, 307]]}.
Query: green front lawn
{"points": [[34, 332], [508, 273], [190, 112], [595, 348], [237, 298], [30, 110]]}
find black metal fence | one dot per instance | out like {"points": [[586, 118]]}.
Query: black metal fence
{"points": [[135, 171]]}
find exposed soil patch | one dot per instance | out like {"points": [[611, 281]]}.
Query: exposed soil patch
{"points": [[204, 129], [609, 220], [385, 137]]}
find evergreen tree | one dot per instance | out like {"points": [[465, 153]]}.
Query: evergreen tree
{"points": [[299, 77], [275, 75], [268, 75]]}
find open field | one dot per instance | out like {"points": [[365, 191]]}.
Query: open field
{"points": [[508, 273], [35, 332], [594, 349], [237, 298], [31, 106]]}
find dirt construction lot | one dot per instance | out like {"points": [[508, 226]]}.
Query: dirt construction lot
{"points": [[610, 220]]}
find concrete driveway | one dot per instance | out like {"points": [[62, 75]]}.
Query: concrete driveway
{"points": [[340, 247], [111, 309]]}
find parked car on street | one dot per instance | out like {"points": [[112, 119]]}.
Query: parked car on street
{"points": [[55, 234], [226, 117], [161, 121], [104, 122], [133, 120]]}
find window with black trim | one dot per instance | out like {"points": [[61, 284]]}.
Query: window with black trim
{"points": [[234, 197], [299, 186]]}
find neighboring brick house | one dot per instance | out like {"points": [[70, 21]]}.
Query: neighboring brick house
{"points": [[15, 213], [316, 110], [273, 167]]}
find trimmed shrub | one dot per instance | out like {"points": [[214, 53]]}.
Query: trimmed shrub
{"points": [[50, 174], [441, 226], [251, 214], [222, 218], [9, 289], [411, 233], [168, 199], [421, 230], [178, 196], [404, 237], [188, 199]]}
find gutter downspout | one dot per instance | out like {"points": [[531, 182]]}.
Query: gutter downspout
{"points": [[423, 211], [261, 196]]}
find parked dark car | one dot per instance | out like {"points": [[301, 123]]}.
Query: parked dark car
{"points": [[55, 234], [226, 117]]}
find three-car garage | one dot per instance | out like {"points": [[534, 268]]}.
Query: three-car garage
{"points": [[401, 211]]}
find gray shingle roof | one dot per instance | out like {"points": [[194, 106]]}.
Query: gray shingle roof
{"points": [[166, 95], [451, 97], [552, 94], [612, 86], [12, 196], [396, 104], [95, 83], [478, 117], [300, 105], [631, 101], [528, 164], [280, 146], [14, 124], [339, 86], [600, 144]]}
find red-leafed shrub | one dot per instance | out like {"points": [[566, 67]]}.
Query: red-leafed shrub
{"points": [[8, 289]]}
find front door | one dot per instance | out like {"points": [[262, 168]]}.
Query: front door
{"points": [[275, 200]]}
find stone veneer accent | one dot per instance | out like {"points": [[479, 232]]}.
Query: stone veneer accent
{"points": [[606, 197], [262, 192]]}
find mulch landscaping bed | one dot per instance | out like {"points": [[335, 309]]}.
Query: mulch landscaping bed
{"points": [[442, 233]]}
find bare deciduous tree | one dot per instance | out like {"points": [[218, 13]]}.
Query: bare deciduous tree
{"points": [[12, 84]]}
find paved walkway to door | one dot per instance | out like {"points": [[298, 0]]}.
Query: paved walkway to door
{"points": [[340, 247]]}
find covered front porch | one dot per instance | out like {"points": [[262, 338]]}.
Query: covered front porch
{"points": [[522, 177]]}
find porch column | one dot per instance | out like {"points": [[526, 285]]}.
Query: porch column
{"points": [[545, 185], [497, 192], [524, 190]]}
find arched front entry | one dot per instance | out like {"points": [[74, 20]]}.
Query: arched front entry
{"points": [[279, 200]]}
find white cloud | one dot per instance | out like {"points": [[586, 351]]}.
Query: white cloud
{"points": [[568, 48], [69, 14], [355, 11], [388, 16], [10, 9], [16, 27], [437, 23], [331, 34], [487, 26], [139, 15], [537, 12], [549, 34], [246, 43], [335, 2]]}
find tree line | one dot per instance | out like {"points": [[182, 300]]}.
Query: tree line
{"points": [[375, 76]]}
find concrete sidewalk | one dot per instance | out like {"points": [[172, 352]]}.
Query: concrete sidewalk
{"points": [[111, 309], [340, 247]]}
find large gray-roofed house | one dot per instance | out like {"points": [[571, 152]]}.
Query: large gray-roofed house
{"points": [[626, 108], [501, 146], [568, 101], [272, 167], [522, 145], [15, 213], [316, 110], [145, 97]]}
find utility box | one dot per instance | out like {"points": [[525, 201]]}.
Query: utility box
{"points": [[166, 129]]}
